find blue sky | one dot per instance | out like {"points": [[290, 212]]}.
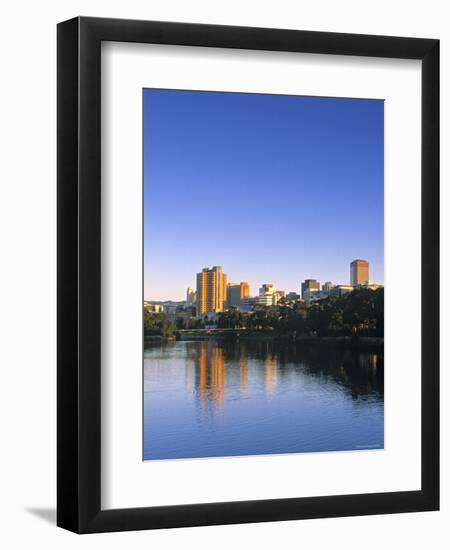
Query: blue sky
{"points": [[273, 188]]}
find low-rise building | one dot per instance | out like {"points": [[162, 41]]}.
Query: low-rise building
{"points": [[153, 308], [247, 304], [170, 309], [371, 285], [340, 290], [314, 295]]}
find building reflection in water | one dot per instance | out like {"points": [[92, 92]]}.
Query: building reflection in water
{"points": [[270, 367], [374, 361], [243, 375], [210, 376], [189, 373], [229, 397], [207, 376], [270, 373]]}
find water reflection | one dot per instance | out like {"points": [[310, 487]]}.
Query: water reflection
{"points": [[243, 375], [210, 376], [359, 373], [270, 373], [219, 398]]}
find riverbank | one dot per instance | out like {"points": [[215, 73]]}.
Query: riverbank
{"points": [[360, 343], [353, 342], [156, 338]]}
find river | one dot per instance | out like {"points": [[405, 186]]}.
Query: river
{"points": [[228, 397]]}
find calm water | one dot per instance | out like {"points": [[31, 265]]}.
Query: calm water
{"points": [[219, 398]]}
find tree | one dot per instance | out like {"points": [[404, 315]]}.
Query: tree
{"points": [[231, 318], [158, 324], [356, 313]]}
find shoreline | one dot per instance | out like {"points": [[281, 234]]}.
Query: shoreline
{"points": [[358, 342]]}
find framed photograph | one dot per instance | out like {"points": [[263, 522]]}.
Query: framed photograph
{"points": [[248, 275]]}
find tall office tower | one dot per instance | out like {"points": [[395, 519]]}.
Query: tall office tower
{"points": [[359, 272], [328, 285], [311, 285], [190, 296], [211, 290], [236, 292], [245, 290]]}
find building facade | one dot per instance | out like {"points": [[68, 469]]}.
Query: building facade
{"points": [[153, 308], [211, 290], [245, 290], [359, 272], [327, 286], [268, 295], [191, 296], [310, 285], [372, 286], [236, 293], [339, 290]]}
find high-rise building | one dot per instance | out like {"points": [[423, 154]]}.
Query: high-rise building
{"points": [[268, 295], [211, 290], [233, 295], [191, 296], [236, 293], [327, 286], [245, 290], [359, 272], [310, 285]]}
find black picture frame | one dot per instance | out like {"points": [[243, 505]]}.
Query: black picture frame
{"points": [[79, 280]]}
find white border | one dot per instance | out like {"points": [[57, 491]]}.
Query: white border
{"points": [[127, 481]]}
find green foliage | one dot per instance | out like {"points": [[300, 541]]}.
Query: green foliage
{"points": [[232, 318], [357, 313], [157, 324]]}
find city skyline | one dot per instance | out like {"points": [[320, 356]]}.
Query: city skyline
{"points": [[226, 292], [280, 189]]}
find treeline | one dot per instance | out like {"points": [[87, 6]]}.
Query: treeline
{"points": [[360, 313], [157, 324]]}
